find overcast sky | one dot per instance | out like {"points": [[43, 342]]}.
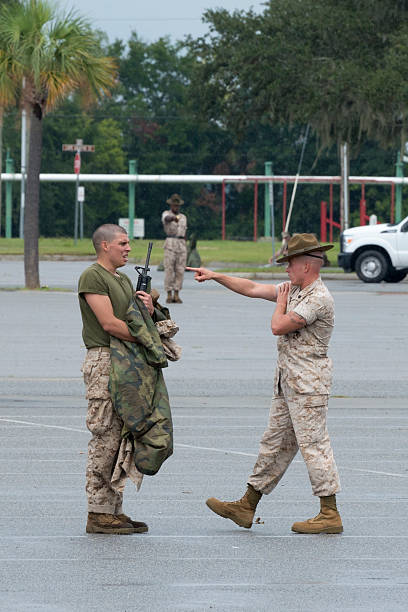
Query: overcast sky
{"points": [[153, 18]]}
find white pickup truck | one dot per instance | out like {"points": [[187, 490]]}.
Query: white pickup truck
{"points": [[376, 252]]}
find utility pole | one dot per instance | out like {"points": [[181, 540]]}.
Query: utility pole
{"points": [[78, 147], [23, 165], [344, 187]]}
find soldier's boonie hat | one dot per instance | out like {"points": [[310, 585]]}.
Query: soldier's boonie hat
{"points": [[175, 199], [303, 244]]}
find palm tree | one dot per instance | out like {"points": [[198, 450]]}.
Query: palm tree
{"points": [[57, 54]]}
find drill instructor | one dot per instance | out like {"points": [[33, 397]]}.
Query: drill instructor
{"points": [[303, 320], [175, 249]]}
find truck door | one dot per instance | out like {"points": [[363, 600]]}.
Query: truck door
{"points": [[402, 245]]}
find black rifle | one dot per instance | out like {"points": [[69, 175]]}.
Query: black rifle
{"points": [[144, 278]]}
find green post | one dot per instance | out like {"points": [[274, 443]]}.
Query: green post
{"points": [[398, 188], [267, 207], [9, 193], [132, 190]]}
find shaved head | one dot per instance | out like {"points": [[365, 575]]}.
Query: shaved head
{"points": [[106, 233]]}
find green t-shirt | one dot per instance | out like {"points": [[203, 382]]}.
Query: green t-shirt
{"points": [[96, 279]]}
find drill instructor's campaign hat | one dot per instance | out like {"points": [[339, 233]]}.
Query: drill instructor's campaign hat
{"points": [[175, 199], [303, 244]]}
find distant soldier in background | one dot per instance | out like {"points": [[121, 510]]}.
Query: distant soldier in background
{"points": [[175, 250]]}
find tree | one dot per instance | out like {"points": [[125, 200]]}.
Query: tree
{"points": [[56, 54]]}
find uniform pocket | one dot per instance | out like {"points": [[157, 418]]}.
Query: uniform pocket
{"points": [[96, 370]]}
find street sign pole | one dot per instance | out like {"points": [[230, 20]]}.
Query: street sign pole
{"points": [[77, 170], [81, 199], [78, 147]]}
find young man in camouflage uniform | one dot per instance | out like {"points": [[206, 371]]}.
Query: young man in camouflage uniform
{"points": [[175, 249], [104, 297], [303, 321]]}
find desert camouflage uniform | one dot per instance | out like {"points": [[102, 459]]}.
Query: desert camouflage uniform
{"points": [[298, 413], [105, 474], [175, 252]]}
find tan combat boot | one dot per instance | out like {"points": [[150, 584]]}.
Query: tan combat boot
{"points": [[138, 526], [107, 523], [169, 297], [327, 521], [241, 511], [177, 299]]}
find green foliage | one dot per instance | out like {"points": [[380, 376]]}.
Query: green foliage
{"points": [[230, 102], [340, 66]]}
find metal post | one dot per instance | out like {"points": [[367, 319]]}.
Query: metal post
{"points": [[81, 220], [132, 191], [268, 197], [256, 211], [223, 211], [285, 195], [23, 165], [9, 194], [331, 212], [76, 210], [399, 166], [323, 221], [392, 211], [344, 191], [363, 210]]}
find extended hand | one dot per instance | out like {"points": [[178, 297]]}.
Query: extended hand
{"points": [[202, 274], [283, 294], [146, 299]]}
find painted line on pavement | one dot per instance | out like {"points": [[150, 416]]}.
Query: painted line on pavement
{"points": [[206, 448]]}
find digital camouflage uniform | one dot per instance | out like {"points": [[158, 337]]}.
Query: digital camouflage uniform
{"points": [[105, 478], [175, 251], [109, 455], [297, 418]]}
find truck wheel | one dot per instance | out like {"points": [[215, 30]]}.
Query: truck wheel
{"points": [[371, 266], [395, 276]]}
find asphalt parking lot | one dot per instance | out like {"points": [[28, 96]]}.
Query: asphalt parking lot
{"points": [[220, 394]]}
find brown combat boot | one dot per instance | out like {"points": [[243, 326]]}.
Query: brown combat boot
{"points": [[241, 511], [327, 521], [138, 526], [177, 299], [169, 297], [107, 523]]}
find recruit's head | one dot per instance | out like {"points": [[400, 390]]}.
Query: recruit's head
{"points": [[111, 244], [304, 258], [175, 202]]}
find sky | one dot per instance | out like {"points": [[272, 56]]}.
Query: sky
{"points": [[152, 19]]}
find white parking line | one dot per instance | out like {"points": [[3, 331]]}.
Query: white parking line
{"points": [[205, 448]]}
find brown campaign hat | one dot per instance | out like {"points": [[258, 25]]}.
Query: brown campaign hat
{"points": [[175, 199], [302, 244]]}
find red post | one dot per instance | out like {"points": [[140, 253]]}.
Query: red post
{"points": [[331, 213], [392, 211], [363, 213], [323, 221], [256, 211], [223, 212], [77, 162], [285, 191]]}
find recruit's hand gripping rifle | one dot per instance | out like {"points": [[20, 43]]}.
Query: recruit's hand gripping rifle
{"points": [[144, 278]]}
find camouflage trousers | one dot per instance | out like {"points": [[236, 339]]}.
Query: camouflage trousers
{"points": [[105, 427], [296, 422], [174, 265]]}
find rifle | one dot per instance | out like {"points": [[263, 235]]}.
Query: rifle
{"points": [[144, 278]]}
